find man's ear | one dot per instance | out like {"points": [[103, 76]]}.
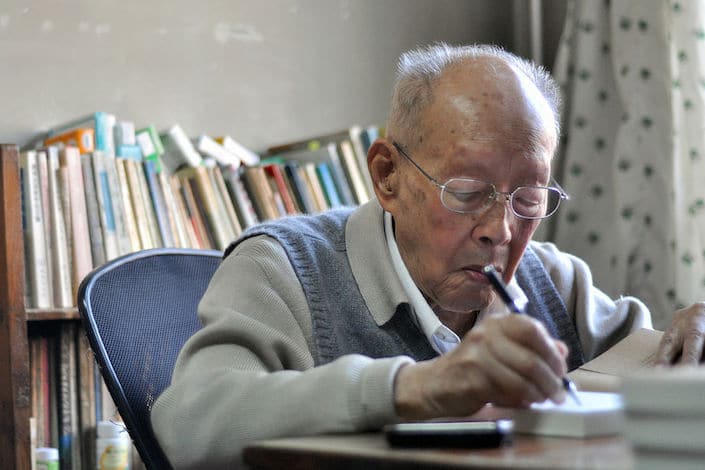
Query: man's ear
{"points": [[382, 165]]}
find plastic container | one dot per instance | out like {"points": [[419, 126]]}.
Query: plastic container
{"points": [[113, 447], [47, 458]]}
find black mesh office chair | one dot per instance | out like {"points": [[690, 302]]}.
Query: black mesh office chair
{"points": [[138, 310]]}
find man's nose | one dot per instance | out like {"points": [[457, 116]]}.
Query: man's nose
{"points": [[493, 225]]}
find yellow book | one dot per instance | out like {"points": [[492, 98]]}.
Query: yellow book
{"points": [[130, 218], [315, 186], [132, 172]]}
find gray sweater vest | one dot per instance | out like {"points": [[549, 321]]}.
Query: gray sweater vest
{"points": [[342, 323]]}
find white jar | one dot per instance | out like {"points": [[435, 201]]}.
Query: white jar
{"points": [[47, 458], [113, 447]]}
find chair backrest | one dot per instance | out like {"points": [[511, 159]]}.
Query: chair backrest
{"points": [[138, 311]]}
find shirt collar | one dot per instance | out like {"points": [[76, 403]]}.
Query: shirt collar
{"points": [[441, 338]]}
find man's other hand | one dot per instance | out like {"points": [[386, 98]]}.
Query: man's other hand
{"points": [[682, 342]]}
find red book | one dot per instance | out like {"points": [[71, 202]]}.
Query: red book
{"points": [[275, 172]]}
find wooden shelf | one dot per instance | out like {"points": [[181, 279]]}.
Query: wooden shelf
{"points": [[15, 392], [34, 314]]}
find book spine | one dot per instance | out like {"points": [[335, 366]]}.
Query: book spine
{"points": [[341, 182], [275, 172], [105, 205], [243, 203], [133, 178], [316, 190], [224, 195], [263, 198], [218, 227], [158, 205], [47, 380], [43, 171], [93, 214], [124, 244], [80, 239], [192, 212], [33, 227], [38, 375], [301, 190], [148, 204], [197, 206], [328, 185], [130, 218], [193, 240], [175, 221], [86, 399], [353, 172], [361, 157], [69, 442], [60, 248]]}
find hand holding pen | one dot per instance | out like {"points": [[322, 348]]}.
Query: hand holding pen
{"points": [[501, 289]]}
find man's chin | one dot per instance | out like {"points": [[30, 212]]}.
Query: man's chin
{"points": [[465, 306]]}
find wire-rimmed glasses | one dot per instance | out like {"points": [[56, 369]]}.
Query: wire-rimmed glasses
{"points": [[471, 196]]}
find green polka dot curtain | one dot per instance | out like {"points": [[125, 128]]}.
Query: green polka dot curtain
{"points": [[633, 153]]}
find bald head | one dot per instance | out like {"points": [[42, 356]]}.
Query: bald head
{"points": [[486, 97], [483, 77]]}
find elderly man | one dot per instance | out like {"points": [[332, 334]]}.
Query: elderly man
{"points": [[348, 320]]}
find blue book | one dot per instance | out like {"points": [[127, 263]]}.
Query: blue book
{"points": [[329, 190], [158, 202], [129, 151], [105, 205]]}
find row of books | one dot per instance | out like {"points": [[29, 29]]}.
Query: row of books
{"points": [[68, 394], [98, 188]]}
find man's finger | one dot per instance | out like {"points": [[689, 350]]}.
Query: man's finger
{"points": [[692, 347], [667, 349]]}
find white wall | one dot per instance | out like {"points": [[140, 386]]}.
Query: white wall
{"points": [[264, 71]]}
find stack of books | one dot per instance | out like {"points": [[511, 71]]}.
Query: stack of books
{"points": [[101, 187], [665, 417]]}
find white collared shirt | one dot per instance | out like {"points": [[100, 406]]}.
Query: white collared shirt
{"points": [[441, 338]]}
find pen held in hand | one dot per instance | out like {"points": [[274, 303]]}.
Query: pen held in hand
{"points": [[501, 288]]}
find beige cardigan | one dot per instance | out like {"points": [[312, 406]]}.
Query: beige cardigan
{"points": [[248, 374]]}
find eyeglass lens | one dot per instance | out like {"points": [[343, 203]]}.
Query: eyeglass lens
{"points": [[468, 196]]}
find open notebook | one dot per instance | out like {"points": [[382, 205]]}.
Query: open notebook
{"points": [[632, 355]]}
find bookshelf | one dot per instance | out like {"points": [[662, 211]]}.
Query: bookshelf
{"points": [[15, 393], [35, 377]]}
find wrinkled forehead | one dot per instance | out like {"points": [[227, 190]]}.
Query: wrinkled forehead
{"points": [[486, 99]]}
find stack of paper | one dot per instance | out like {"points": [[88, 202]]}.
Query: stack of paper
{"points": [[665, 417], [597, 414]]}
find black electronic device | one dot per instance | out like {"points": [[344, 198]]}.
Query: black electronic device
{"points": [[467, 434]]}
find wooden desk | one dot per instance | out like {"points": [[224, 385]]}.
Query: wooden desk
{"points": [[370, 451]]}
